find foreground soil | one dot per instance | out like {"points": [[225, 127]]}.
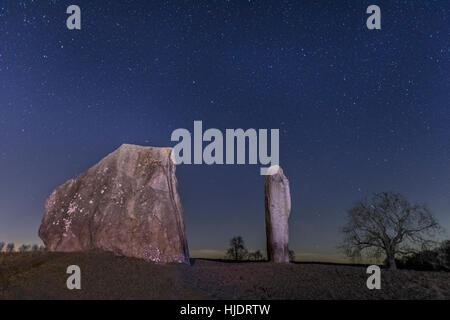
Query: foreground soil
{"points": [[106, 276]]}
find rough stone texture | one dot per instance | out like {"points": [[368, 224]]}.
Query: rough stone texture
{"points": [[278, 208], [127, 203]]}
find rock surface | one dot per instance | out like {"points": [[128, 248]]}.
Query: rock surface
{"points": [[127, 203], [278, 208]]}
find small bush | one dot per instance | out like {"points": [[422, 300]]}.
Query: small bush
{"points": [[429, 260]]}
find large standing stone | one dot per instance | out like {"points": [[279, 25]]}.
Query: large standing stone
{"points": [[278, 208], [127, 203]]}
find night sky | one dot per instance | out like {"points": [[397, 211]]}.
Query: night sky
{"points": [[359, 111]]}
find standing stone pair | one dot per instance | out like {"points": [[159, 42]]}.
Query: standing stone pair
{"points": [[128, 204]]}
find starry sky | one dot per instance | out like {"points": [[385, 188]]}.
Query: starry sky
{"points": [[359, 111]]}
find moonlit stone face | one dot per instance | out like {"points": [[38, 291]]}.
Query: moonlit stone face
{"points": [[127, 203]]}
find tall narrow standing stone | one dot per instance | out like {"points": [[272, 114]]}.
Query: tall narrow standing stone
{"points": [[278, 208]]}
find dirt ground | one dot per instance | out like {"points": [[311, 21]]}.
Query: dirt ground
{"points": [[106, 276]]}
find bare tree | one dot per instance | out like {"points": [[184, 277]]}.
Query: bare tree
{"points": [[387, 223], [237, 250], [2, 245], [35, 247], [10, 247]]}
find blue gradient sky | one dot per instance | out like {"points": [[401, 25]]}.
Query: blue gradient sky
{"points": [[359, 111]]}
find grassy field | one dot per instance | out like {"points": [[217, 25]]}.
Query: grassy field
{"points": [[37, 275]]}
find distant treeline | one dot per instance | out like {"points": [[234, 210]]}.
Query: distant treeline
{"points": [[11, 247], [239, 252]]}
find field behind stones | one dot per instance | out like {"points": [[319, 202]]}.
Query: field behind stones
{"points": [[42, 275]]}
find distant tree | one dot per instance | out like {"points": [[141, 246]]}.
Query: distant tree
{"points": [[2, 244], [256, 256], [24, 248], [35, 247], [10, 247], [387, 223], [237, 250], [42, 248], [291, 255]]}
